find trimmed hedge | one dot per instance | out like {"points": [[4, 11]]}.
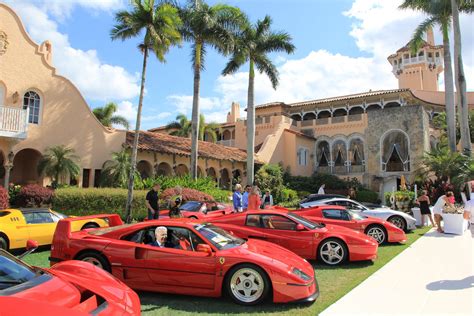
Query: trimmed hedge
{"points": [[34, 195], [367, 196], [3, 198], [80, 201]]}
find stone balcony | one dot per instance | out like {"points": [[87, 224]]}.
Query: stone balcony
{"points": [[229, 142], [13, 122]]}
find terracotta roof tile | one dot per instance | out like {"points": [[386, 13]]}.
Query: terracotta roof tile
{"points": [[165, 143]]}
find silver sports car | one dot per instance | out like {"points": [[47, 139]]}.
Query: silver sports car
{"points": [[397, 218]]}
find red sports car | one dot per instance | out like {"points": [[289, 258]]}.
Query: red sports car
{"points": [[201, 210], [68, 288], [328, 243], [377, 228], [196, 259]]}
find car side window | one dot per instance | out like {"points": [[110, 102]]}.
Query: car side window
{"points": [[183, 239], [253, 220], [277, 222], [38, 218], [336, 214]]}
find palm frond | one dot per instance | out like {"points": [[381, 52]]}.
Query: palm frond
{"points": [[264, 65]]}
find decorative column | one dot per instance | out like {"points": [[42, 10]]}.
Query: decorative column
{"points": [[8, 166]]}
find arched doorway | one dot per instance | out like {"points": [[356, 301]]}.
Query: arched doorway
{"points": [[199, 172], [236, 177], [145, 169], [211, 173], [25, 167], [395, 151], [164, 169], [339, 154], [224, 181], [323, 156], [181, 170]]}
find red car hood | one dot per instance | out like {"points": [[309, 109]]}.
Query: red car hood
{"points": [[336, 229], [64, 293], [279, 256], [14, 306]]}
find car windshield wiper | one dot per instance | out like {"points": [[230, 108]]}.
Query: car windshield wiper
{"points": [[12, 281]]}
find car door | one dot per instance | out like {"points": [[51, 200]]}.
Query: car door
{"points": [[281, 230], [40, 226], [178, 270], [255, 229]]}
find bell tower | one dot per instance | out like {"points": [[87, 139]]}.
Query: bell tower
{"points": [[420, 70]]}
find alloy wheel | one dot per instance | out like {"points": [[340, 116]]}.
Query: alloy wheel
{"points": [[398, 221], [332, 252], [377, 233], [93, 261], [247, 285]]}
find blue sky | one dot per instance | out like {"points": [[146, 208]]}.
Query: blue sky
{"points": [[342, 47]]}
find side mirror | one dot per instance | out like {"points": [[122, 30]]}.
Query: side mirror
{"points": [[204, 248], [299, 227], [31, 245]]}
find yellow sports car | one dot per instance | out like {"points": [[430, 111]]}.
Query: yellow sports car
{"points": [[19, 225]]}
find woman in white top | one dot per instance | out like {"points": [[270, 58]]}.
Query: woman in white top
{"points": [[321, 189], [442, 201]]}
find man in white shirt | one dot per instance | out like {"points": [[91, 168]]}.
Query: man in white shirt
{"points": [[321, 189]]}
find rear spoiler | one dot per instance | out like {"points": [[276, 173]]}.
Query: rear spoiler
{"points": [[62, 234]]}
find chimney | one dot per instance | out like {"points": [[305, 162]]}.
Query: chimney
{"points": [[234, 113]]}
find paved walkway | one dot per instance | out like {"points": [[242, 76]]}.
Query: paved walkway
{"points": [[434, 276]]}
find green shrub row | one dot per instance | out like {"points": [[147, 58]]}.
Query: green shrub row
{"points": [[367, 196]]}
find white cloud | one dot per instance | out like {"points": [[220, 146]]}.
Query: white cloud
{"points": [[157, 117], [95, 79], [127, 110]]}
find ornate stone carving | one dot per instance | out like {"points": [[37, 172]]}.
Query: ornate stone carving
{"points": [[3, 42]]}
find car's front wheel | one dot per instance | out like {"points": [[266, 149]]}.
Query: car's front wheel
{"points": [[3, 243], [332, 251], [96, 259], [398, 221], [377, 232], [247, 284]]}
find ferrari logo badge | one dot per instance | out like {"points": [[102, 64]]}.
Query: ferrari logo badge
{"points": [[221, 260]]}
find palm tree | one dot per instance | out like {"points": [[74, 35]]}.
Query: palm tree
{"points": [[182, 127], [252, 45], [160, 24], [443, 162], [463, 111], [204, 26], [58, 162], [106, 115], [116, 171], [438, 13]]}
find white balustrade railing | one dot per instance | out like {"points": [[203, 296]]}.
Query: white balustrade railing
{"points": [[13, 122], [229, 142]]}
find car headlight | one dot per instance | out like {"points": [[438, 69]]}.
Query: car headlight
{"points": [[301, 274]]}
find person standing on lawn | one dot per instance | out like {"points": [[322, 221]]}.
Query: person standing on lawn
{"points": [[237, 198], [152, 202], [267, 199], [424, 202], [254, 199], [441, 203], [321, 189], [245, 197], [175, 212]]}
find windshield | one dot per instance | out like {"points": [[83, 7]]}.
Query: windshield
{"points": [[190, 206], [356, 215], [304, 221], [14, 272], [220, 238]]}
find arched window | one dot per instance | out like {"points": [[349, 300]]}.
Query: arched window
{"points": [[322, 154], [395, 152], [32, 101]]}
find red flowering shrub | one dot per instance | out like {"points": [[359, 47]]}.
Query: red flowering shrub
{"points": [[3, 198], [187, 195], [34, 195]]}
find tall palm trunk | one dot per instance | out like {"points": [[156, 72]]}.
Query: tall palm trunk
{"points": [[195, 115], [449, 91], [463, 111], [250, 125], [133, 163]]}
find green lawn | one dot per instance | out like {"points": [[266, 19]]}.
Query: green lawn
{"points": [[334, 282]]}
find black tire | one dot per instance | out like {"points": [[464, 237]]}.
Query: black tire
{"points": [[90, 225], [398, 221], [333, 243], [261, 280], [377, 232], [3, 243], [95, 258]]}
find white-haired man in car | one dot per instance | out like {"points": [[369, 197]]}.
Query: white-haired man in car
{"points": [[161, 234]]}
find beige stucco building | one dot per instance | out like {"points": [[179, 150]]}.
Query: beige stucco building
{"points": [[40, 109]]}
